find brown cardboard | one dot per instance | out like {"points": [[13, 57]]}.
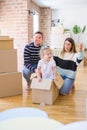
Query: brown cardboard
{"points": [[85, 58], [8, 60], [6, 43], [10, 84], [4, 37], [44, 92], [59, 81], [85, 61]]}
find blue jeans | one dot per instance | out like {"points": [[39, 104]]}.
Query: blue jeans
{"points": [[67, 85], [27, 73]]}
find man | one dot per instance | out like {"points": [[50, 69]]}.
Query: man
{"points": [[31, 56]]}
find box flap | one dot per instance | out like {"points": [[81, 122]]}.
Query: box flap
{"points": [[59, 81], [5, 38], [44, 84]]}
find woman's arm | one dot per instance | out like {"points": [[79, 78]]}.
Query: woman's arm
{"points": [[80, 54], [81, 47]]}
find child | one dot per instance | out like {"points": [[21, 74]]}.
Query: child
{"points": [[46, 68]]}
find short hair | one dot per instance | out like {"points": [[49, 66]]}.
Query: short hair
{"points": [[38, 32]]}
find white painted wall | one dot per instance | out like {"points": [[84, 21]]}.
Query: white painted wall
{"points": [[72, 16]]}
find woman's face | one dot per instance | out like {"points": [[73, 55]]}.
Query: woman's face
{"points": [[67, 46]]}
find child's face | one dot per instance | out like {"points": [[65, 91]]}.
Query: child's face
{"points": [[47, 55]]}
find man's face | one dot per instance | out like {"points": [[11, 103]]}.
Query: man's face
{"points": [[38, 39]]}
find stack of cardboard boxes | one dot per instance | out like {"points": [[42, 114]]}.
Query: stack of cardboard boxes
{"points": [[10, 78]]}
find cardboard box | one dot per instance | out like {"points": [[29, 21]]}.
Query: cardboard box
{"points": [[85, 58], [10, 84], [4, 37], [8, 60], [46, 91], [6, 43], [59, 81], [85, 61]]}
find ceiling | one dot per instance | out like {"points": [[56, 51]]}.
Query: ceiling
{"points": [[55, 4]]}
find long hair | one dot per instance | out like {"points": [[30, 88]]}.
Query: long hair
{"points": [[73, 48]]}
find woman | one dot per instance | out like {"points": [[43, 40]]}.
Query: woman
{"points": [[67, 61]]}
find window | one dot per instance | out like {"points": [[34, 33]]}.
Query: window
{"points": [[35, 22]]}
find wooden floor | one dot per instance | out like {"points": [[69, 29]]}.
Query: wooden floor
{"points": [[66, 109]]}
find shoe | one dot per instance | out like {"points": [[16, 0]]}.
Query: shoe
{"points": [[28, 89], [33, 75], [73, 87], [63, 94], [28, 86]]}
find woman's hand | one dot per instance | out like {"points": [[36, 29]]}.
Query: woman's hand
{"points": [[80, 47]]}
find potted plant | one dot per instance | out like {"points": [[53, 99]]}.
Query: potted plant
{"points": [[77, 30]]}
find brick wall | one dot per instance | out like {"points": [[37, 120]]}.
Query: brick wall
{"points": [[45, 23], [16, 22]]}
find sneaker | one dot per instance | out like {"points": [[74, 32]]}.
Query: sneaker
{"points": [[28, 89], [28, 86]]}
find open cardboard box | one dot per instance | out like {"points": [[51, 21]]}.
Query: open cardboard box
{"points": [[46, 91]]}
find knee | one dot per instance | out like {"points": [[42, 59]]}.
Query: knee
{"points": [[63, 92], [25, 73]]}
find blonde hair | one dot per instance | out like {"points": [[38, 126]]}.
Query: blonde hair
{"points": [[44, 51]]}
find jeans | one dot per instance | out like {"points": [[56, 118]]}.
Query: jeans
{"points": [[27, 73], [67, 85]]}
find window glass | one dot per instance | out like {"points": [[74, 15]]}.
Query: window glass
{"points": [[35, 22]]}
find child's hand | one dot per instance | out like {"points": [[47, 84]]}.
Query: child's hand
{"points": [[39, 79], [55, 77]]}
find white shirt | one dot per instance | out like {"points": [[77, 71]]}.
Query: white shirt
{"points": [[47, 68]]}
